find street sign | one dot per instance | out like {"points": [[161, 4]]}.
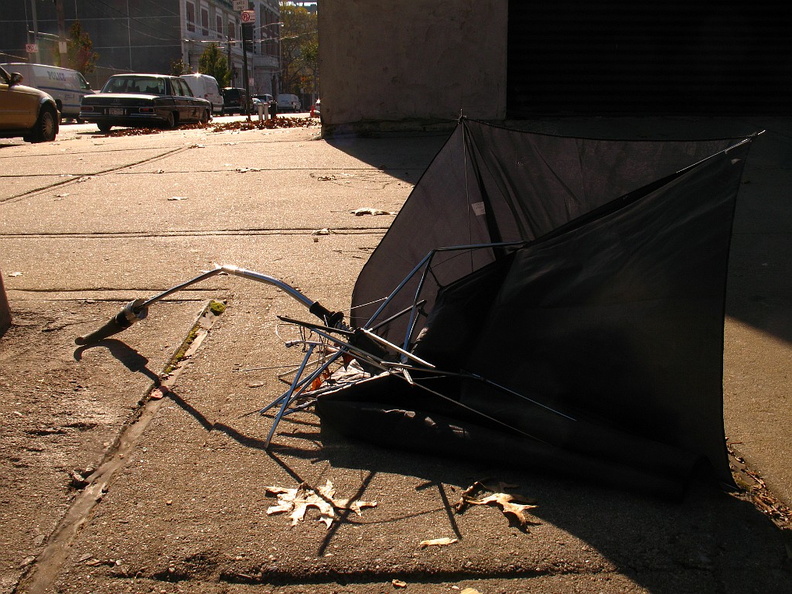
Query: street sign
{"points": [[31, 48], [240, 5], [248, 16]]}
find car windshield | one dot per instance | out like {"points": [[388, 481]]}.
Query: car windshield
{"points": [[135, 84]]}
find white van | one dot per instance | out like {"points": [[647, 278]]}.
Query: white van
{"points": [[205, 87], [289, 102], [66, 86]]}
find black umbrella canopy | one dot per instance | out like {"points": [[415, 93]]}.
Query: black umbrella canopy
{"points": [[593, 343]]}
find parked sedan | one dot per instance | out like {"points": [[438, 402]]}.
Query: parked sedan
{"points": [[142, 100], [25, 111]]}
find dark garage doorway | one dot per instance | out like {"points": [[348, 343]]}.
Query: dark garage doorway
{"points": [[623, 57]]}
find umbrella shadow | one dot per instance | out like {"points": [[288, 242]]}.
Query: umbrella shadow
{"points": [[664, 546], [124, 354]]}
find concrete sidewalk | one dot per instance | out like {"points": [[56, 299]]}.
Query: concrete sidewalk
{"points": [[109, 490]]}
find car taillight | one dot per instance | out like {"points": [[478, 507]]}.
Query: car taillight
{"points": [[87, 108], [146, 110]]}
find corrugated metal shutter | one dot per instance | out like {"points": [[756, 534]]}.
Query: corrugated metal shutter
{"points": [[676, 57]]}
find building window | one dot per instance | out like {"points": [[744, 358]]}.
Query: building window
{"points": [[219, 26], [204, 22], [231, 30], [270, 32], [190, 16]]}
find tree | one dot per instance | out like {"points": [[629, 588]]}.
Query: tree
{"points": [[214, 63], [179, 67], [299, 49], [79, 50]]}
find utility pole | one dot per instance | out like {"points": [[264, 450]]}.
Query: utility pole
{"points": [[61, 32], [35, 31], [230, 64], [245, 27]]}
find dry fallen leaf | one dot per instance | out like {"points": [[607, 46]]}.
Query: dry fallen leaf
{"points": [[437, 542], [515, 507], [370, 211], [298, 500], [159, 393]]}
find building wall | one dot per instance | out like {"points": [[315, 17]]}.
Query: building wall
{"points": [[146, 35], [424, 60], [215, 21], [128, 36]]}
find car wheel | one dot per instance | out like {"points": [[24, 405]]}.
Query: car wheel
{"points": [[103, 127], [204, 117], [170, 122], [46, 127]]}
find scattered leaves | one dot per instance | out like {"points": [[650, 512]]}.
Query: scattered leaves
{"points": [[133, 132], [515, 507], [271, 123], [755, 489], [282, 122], [298, 500]]}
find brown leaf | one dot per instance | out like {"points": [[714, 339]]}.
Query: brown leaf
{"points": [[514, 506], [299, 499]]}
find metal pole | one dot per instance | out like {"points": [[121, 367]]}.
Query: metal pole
{"points": [[35, 31], [280, 64], [245, 69], [61, 32], [230, 66], [129, 36]]}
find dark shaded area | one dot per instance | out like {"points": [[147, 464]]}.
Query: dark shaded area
{"points": [[670, 58], [5, 310], [124, 354]]}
